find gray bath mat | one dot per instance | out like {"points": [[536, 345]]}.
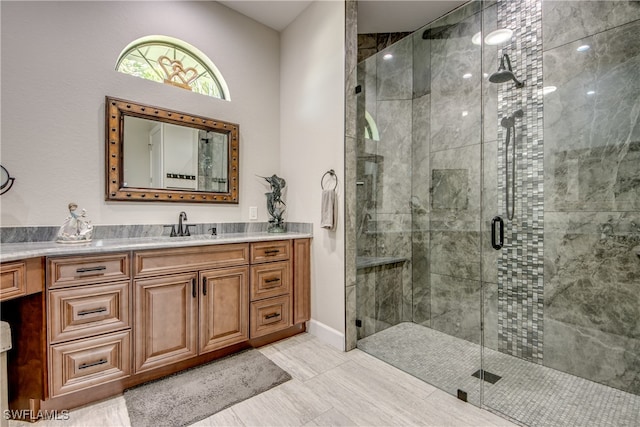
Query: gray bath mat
{"points": [[189, 396]]}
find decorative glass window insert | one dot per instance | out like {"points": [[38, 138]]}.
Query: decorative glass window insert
{"points": [[168, 60]]}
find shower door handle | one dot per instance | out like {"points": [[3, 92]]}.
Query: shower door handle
{"points": [[497, 222]]}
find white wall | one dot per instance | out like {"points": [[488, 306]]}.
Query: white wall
{"points": [[58, 61], [312, 142], [287, 94]]}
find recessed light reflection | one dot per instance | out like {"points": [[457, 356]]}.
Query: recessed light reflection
{"points": [[485, 75], [591, 92], [498, 36], [477, 38], [387, 56], [548, 89], [583, 48], [466, 76], [465, 113]]}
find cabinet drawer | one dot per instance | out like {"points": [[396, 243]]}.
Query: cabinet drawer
{"points": [[86, 270], [82, 364], [270, 251], [21, 278], [270, 315], [164, 261], [270, 280], [87, 310]]}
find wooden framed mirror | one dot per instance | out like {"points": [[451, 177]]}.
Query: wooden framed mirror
{"points": [[155, 154]]}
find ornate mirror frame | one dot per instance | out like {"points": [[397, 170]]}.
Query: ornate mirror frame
{"points": [[117, 109]]}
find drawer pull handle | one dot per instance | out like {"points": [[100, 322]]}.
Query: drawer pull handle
{"points": [[88, 365], [274, 280], [91, 269], [272, 315], [270, 252], [94, 311]]}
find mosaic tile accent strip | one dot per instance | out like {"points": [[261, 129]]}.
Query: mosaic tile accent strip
{"points": [[520, 267]]}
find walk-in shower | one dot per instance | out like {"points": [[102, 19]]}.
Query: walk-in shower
{"points": [[498, 224]]}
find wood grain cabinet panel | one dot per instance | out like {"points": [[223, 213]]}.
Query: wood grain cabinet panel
{"points": [[87, 270], [166, 315], [301, 280], [166, 261], [85, 363], [224, 308], [270, 251], [13, 280], [87, 310], [270, 280], [270, 315], [21, 278]]}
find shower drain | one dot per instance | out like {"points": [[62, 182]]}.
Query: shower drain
{"points": [[487, 376]]}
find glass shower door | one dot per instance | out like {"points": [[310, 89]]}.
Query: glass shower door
{"points": [[562, 308], [419, 151]]}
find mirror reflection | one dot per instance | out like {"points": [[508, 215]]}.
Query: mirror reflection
{"points": [[163, 155]]}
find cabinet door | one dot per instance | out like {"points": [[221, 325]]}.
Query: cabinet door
{"points": [[166, 315], [301, 280], [224, 307]]}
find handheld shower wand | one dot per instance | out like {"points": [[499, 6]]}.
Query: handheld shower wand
{"points": [[510, 124]]}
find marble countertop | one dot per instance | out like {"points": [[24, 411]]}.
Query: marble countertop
{"points": [[16, 251]]}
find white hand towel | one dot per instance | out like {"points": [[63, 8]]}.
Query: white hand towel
{"points": [[328, 214]]}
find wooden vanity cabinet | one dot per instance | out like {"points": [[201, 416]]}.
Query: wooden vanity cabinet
{"points": [[107, 322], [89, 328], [224, 308], [166, 315], [301, 280], [20, 278], [280, 285], [182, 315]]}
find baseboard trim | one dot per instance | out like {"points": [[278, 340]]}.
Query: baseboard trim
{"points": [[326, 334]]}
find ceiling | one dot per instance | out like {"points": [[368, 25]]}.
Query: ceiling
{"points": [[374, 16]]}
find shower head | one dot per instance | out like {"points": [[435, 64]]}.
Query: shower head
{"points": [[504, 74]]}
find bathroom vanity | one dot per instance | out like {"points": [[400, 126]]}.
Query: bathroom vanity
{"points": [[89, 321]]}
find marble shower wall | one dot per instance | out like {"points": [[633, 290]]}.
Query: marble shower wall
{"points": [[352, 136], [383, 190], [592, 190], [452, 174]]}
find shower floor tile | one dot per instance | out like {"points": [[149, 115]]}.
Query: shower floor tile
{"points": [[529, 393]]}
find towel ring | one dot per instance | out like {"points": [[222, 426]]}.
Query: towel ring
{"points": [[333, 174]]}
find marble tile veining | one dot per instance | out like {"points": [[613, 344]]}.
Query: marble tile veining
{"points": [[15, 251], [567, 21]]}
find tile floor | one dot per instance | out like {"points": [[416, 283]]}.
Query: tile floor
{"points": [[531, 393], [329, 388]]}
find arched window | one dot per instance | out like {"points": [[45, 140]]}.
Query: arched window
{"points": [[168, 60], [370, 128]]}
